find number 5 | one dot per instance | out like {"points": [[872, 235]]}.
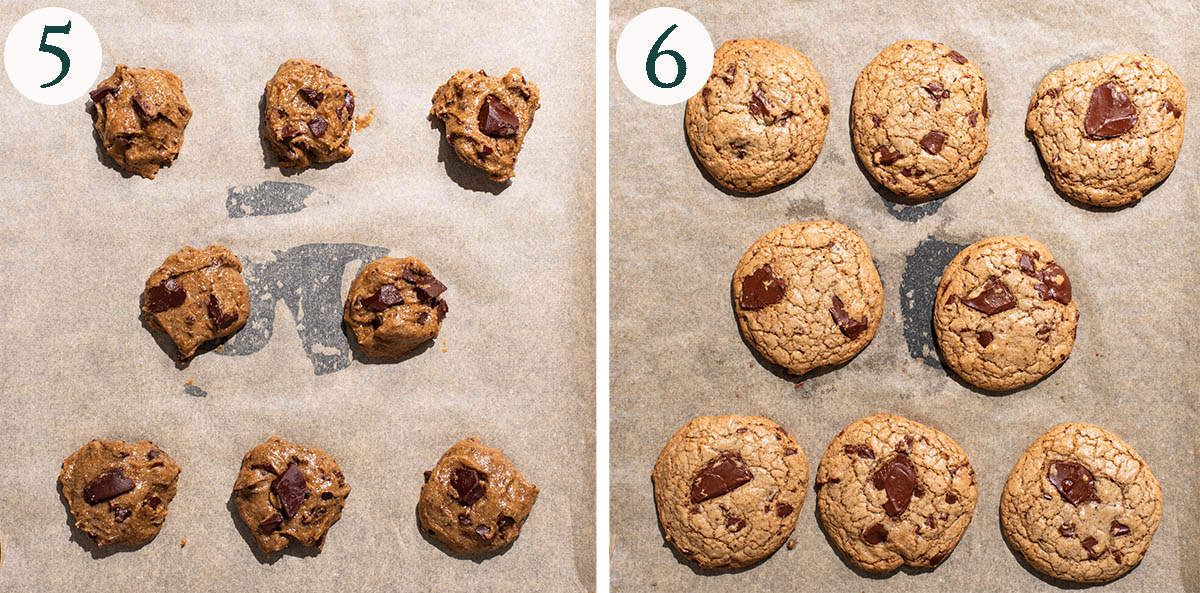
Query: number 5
{"points": [[652, 59], [57, 51]]}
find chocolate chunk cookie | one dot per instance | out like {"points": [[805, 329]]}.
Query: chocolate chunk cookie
{"points": [[891, 492], [487, 118], [140, 115], [807, 295], [760, 120], [395, 305], [919, 118], [1003, 315], [729, 489], [1080, 505], [1109, 129], [474, 500], [118, 491], [309, 115], [195, 296], [287, 491]]}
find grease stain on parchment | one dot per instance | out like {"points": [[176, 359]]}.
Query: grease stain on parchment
{"points": [[268, 198], [918, 287]]}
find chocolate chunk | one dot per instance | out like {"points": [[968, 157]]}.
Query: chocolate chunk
{"points": [[875, 534], [442, 309], [933, 142], [705, 92], [951, 498], [721, 475], [888, 155], [985, 338], [1117, 556], [1118, 529], [140, 107], [153, 454], [860, 450], [973, 117], [994, 298], [1166, 104], [313, 96], [220, 318], [483, 531], [937, 558], [762, 289], [105, 92], [1110, 112], [120, 514], [897, 477], [758, 104], [464, 520], [168, 295], [270, 524], [931, 523], [1073, 481], [496, 120], [937, 92], [291, 489], [109, 484], [281, 113], [783, 509], [730, 72], [430, 288], [387, 296], [326, 496], [735, 524], [423, 318], [153, 502], [1043, 332], [467, 485], [288, 133], [504, 522], [318, 125], [1054, 284], [1089, 543], [789, 451], [1026, 265], [349, 104], [851, 327], [427, 475], [1067, 530], [957, 57]]}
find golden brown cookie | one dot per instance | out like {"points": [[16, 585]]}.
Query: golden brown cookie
{"points": [[487, 118], [195, 296], [1109, 129], [119, 492], [1080, 505], [474, 500], [728, 489], [1003, 314], [394, 305], [760, 120], [140, 115], [309, 115]]}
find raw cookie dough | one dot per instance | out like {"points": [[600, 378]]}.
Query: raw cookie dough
{"points": [[140, 117], [807, 295], [1109, 129], [195, 296], [474, 500], [894, 492], [760, 120], [284, 490], [118, 491], [486, 118], [1080, 505], [919, 118], [1003, 315], [394, 305], [729, 489], [309, 115]]}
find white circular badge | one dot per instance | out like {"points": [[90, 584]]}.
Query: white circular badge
{"points": [[664, 56], [52, 56]]}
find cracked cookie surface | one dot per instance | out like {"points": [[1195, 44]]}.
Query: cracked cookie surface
{"points": [[140, 116], [309, 114], [197, 295], [729, 489], [919, 118], [807, 295], [119, 492], [1109, 129], [760, 120], [487, 118], [394, 305], [893, 492], [1081, 505], [1004, 316]]}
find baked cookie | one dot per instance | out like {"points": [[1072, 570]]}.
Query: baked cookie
{"points": [[474, 500], [1003, 315], [119, 492], [894, 492], [195, 296], [1080, 505], [288, 491], [919, 118], [487, 118], [394, 305], [309, 115], [760, 120], [1109, 129], [140, 116], [807, 295], [729, 488]]}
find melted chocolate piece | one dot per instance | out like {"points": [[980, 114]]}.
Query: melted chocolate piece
{"points": [[1110, 112], [442, 309], [504, 521], [933, 142], [762, 289], [897, 477], [951, 498], [1089, 543], [220, 318], [109, 484], [270, 524], [758, 104], [387, 296], [468, 485], [851, 327], [957, 57], [860, 450], [291, 489], [875, 534], [168, 295], [1067, 530], [105, 92], [1073, 481], [496, 120], [937, 92], [784, 509], [721, 475], [735, 524], [1166, 105], [994, 298], [1118, 529], [313, 96], [1054, 284], [888, 155], [153, 502]]}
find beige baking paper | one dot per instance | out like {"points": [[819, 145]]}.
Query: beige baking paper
{"points": [[677, 237], [514, 364]]}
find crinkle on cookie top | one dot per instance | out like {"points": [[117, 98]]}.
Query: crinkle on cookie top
{"points": [[1110, 128], [1081, 505], [919, 118], [761, 118]]}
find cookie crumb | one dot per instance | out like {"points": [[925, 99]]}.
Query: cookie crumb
{"points": [[791, 544], [183, 543], [360, 123]]}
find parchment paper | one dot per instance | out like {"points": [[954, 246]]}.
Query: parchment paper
{"points": [[676, 239], [514, 364]]}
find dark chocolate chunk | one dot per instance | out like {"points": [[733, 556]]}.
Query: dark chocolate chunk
{"points": [[860, 450], [464, 520], [897, 477], [957, 57], [758, 104], [1166, 104], [168, 295], [442, 309], [349, 104], [140, 107], [423, 318], [851, 327], [994, 298], [220, 318], [985, 338], [318, 125], [429, 289], [120, 514], [105, 92], [789, 451], [483, 531], [937, 92], [783, 509], [467, 485], [951, 498], [153, 454], [875, 534], [427, 475], [933, 141], [734, 524], [496, 120], [109, 484], [1117, 556], [504, 521], [762, 289], [721, 475], [705, 92], [270, 524], [888, 155], [288, 133], [1089, 544], [1110, 112], [153, 502], [291, 489], [1117, 529], [1026, 265], [387, 296], [1067, 530], [313, 96], [1054, 284], [1073, 481], [973, 117], [326, 496]]}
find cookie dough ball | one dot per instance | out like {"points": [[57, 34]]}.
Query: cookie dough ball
{"points": [[760, 120], [1080, 505], [894, 492], [474, 500], [119, 492], [807, 295], [919, 118], [140, 115], [1109, 129], [1003, 315], [487, 118], [394, 306], [288, 491], [309, 115], [195, 296]]}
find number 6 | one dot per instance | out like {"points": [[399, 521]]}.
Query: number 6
{"points": [[57, 51], [652, 59]]}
